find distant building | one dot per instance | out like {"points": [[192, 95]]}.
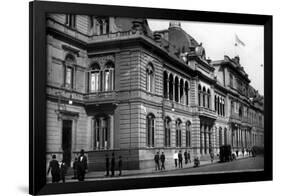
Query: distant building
{"points": [[114, 85]]}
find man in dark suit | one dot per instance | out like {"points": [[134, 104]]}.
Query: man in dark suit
{"points": [[156, 160], [162, 158], [180, 159], [107, 164], [82, 166], [55, 169], [112, 164]]}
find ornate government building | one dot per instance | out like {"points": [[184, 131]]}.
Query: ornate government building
{"points": [[113, 85]]}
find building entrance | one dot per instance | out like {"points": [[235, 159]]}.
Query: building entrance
{"points": [[67, 140]]}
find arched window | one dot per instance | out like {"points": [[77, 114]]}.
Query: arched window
{"points": [[215, 103], [220, 136], [186, 88], [188, 134], [204, 96], [223, 107], [176, 89], [69, 71], [199, 95], [95, 78], [165, 84], [108, 82], [208, 98], [101, 132], [149, 77], [150, 128], [102, 26], [178, 133], [181, 91], [167, 125], [171, 87]]}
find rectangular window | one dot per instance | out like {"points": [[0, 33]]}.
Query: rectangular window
{"points": [[95, 81], [69, 77], [71, 20], [106, 80]]}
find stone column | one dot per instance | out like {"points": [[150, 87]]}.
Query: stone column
{"points": [[207, 139], [111, 135], [101, 132], [201, 138]]}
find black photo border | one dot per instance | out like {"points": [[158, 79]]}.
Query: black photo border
{"points": [[37, 100]]}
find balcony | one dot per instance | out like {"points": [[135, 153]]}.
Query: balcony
{"points": [[207, 112], [100, 97]]}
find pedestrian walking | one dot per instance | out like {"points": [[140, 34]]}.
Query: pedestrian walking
{"points": [[112, 164], [237, 152], [243, 151], [162, 158], [120, 165], [175, 156], [107, 164], [75, 168], [180, 159], [156, 160], [55, 169], [185, 157], [63, 170], [82, 166], [188, 157]]}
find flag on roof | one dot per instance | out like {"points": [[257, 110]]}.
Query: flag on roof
{"points": [[238, 41]]}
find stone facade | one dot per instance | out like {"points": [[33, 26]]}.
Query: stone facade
{"points": [[113, 85]]}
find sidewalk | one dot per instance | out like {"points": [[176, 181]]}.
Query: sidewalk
{"points": [[100, 175]]}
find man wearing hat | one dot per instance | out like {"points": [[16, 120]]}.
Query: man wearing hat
{"points": [[82, 166]]}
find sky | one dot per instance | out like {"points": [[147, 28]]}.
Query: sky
{"points": [[218, 39]]}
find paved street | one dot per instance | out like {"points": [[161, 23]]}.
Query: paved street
{"points": [[247, 163], [251, 164]]}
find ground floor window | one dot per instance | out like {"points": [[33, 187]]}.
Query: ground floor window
{"points": [[178, 133], [150, 127], [167, 139], [101, 132]]}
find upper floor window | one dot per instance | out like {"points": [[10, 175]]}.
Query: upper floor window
{"points": [[71, 20], [165, 84], [231, 80], [150, 128], [69, 71], [149, 77], [101, 80], [95, 77], [109, 76], [102, 26]]}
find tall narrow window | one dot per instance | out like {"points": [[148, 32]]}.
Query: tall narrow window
{"points": [[69, 70], [109, 76], [71, 20], [186, 88], [101, 132], [167, 140], [150, 127], [231, 80], [208, 98], [178, 133], [95, 78], [165, 84], [171, 87], [188, 134], [204, 97], [220, 136], [176, 89], [149, 78], [199, 95]]}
